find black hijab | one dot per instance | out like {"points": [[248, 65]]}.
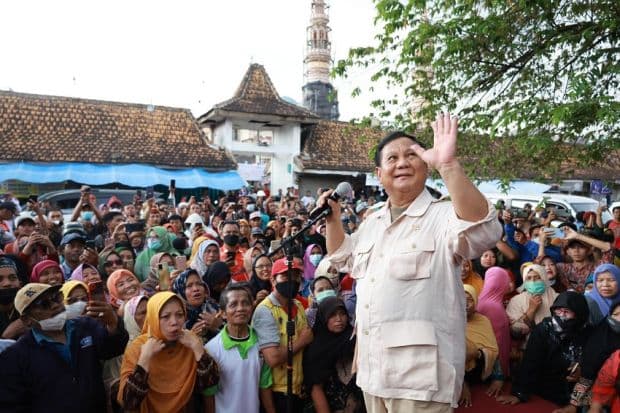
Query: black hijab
{"points": [[256, 284], [599, 346], [327, 348], [216, 274]]}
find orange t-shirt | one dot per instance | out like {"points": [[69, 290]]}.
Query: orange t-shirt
{"points": [[237, 271]]}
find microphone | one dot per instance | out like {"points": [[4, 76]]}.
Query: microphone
{"points": [[343, 190]]}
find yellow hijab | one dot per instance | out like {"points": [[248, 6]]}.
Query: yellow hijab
{"points": [[196, 246], [172, 371], [474, 279], [479, 335], [71, 285]]}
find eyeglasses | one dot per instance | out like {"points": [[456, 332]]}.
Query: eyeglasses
{"points": [[115, 262], [263, 267], [49, 301]]}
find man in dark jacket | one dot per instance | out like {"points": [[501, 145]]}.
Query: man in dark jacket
{"points": [[56, 367]]}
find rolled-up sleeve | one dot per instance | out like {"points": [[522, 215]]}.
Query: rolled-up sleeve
{"points": [[473, 237]]}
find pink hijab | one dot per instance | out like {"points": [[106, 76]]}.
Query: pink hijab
{"points": [[491, 305]]}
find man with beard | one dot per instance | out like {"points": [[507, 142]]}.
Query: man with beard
{"points": [[11, 326]]}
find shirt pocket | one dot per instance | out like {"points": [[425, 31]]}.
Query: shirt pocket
{"points": [[415, 262], [410, 357], [361, 257]]}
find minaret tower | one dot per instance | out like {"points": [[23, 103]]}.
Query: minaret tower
{"points": [[318, 93]]}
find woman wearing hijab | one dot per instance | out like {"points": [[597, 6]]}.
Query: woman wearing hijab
{"points": [[604, 340], [481, 346], [469, 276], [75, 298], [312, 259], [555, 347], [203, 314], [260, 281], [86, 273], [328, 359], [533, 304], [217, 278], [606, 289], [207, 253], [122, 285], [159, 240], [47, 272], [134, 314], [250, 255], [490, 305], [167, 365], [152, 280]]}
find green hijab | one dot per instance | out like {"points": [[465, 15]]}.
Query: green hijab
{"points": [[143, 261]]}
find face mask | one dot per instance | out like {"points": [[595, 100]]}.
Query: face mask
{"points": [[250, 207], [231, 240], [315, 259], [563, 324], [587, 292], [7, 295], [57, 223], [283, 289], [154, 243], [325, 294], [55, 323], [87, 215], [75, 310], [534, 287], [613, 324]]}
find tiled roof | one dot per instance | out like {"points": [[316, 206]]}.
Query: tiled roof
{"points": [[340, 146], [62, 129], [256, 94]]}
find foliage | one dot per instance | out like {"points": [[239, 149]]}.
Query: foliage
{"points": [[532, 81]]}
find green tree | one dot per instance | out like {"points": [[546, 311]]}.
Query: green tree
{"points": [[533, 81]]}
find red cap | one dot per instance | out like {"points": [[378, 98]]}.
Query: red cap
{"points": [[114, 200], [281, 266]]}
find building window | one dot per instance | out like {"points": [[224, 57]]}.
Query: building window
{"points": [[260, 137]]}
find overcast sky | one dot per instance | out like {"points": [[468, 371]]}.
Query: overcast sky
{"points": [[189, 54]]}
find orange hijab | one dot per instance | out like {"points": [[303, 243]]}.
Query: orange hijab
{"points": [[473, 279], [172, 371]]}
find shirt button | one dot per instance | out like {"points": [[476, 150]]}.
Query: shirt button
{"points": [[366, 306], [365, 332], [413, 245], [372, 280]]}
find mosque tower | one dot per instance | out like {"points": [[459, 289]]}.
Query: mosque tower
{"points": [[318, 93]]}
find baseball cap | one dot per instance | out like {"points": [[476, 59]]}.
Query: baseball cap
{"points": [[260, 192], [72, 236], [362, 206], [29, 293], [26, 215], [114, 201], [281, 266], [257, 231], [255, 214], [73, 227]]}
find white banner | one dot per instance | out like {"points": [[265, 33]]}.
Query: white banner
{"points": [[251, 172]]}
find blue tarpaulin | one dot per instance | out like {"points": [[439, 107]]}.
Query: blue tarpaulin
{"points": [[134, 175]]}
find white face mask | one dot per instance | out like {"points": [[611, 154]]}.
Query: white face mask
{"points": [[75, 310], [55, 323]]}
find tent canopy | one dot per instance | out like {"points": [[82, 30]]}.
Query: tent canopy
{"points": [[135, 175]]}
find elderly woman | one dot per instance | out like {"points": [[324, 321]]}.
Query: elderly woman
{"points": [[164, 368], [533, 304], [606, 289], [122, 285], [47, 272], [554, 349], [207, 253], [481, 346], [203, 316]]}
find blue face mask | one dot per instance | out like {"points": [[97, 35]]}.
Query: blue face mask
{"points": [[535, 287], [315, 259], [325, 294], [154, 243], [87, 215]]}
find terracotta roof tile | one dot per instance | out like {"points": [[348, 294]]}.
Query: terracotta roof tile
{"points": [[62, 129], [256, 94], [340, 146]]}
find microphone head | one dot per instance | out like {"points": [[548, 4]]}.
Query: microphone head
{"points": [[344, 191]]}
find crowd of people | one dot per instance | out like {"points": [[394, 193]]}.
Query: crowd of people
{"points": [[157, 307]]}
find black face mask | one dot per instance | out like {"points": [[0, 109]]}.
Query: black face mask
{"points": [[613, 324], [284, 291], [231, 240], [7, 295], [564, 325]]}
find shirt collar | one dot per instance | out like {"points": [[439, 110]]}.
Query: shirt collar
{"points": [[39, 335], [416, 209], [242, 346]]}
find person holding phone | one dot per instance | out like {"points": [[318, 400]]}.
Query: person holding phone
{"points": [[60, 353], [158, 241]]}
